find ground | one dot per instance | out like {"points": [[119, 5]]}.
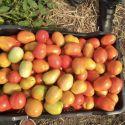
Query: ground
{"points": [[83, 19]]}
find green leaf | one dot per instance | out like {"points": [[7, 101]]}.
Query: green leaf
{"points": [[32, 4], [42, 9], [4, 9], [38, 23], [34, 14], [24, 23], [1, 20], [25, 5], [50, 5]]}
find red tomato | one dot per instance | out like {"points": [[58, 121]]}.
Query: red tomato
{"points": [[92, 75], [18, 100], [100, 55], [79, 99], [82, 76], [66, 107], [38, 78], [53, 49], [66, 61], [114, 67], [49, 42], [42, 36], [108, 39], [102, 83], [40, 51], [105, 103], [4, 103], [54, 61], [77, 107], [14, 77], [117, 85], [112, 52], [15, 66], [82, 42], [94, 41]]}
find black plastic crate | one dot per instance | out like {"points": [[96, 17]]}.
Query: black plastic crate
{"points": [[19, 115]]}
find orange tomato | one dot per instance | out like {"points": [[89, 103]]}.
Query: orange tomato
{"points": [[100, 55], [33, 107], [58, 38], [72, 49], [92, 75], [25, 37], [88, 50], [117, 85], [113, 97], [90, 89], [111, 51], [108, 39], [102, 83], [82, 76], [40, 66], [88, 103], [3, 75], [53, 49], [94, 41], [114, 67], [15, 66], [38, 78], [28, 56]]}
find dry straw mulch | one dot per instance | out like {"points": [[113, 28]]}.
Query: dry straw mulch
{"points": [[83, 19]]}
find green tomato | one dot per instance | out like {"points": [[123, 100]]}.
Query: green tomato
{"points": [[15, 55]]}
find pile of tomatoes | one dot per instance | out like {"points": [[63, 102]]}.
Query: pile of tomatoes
{"points": [[52, 73]]}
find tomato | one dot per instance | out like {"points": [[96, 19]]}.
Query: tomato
{"points": [[14, 77], [94, 41], [100, 68], [70, 38], [68, 70], [88, 50], [25, 37], [54, 61], [102, 83], [117, 85], [66, 107], [4, 103], [33, 107], [40, 51], [111, 51], [78, 66], [108, 39], [92, 75], [3, 75], [15, 66], [88, 103], [49, 42], [77, 107], [82, 42], [30, 46], [105, 103], [79, 87], [113, 97], [100, 55], [79, 99], [27, 93], [82, 76], [109, 75], [72, 49], [66, 61], [28, 56], [58, 38], [90, 89], [114, 67], [68, 98], [102, 93], [53, 49], [40, 66], [42, 36], [17, 100], [38, 78]]}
